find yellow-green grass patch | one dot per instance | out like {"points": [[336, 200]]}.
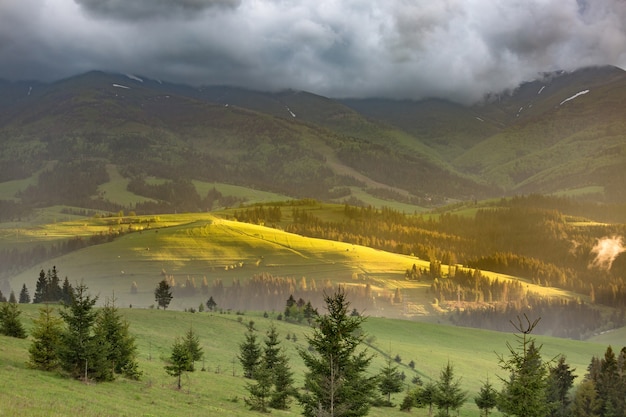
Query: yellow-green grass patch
{"points": [[250, 195], [115, 189]]}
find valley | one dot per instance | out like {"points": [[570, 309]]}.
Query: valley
{"points": [[442, 222]]}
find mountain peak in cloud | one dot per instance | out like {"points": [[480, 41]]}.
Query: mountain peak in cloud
{"points": [[150, 9]]}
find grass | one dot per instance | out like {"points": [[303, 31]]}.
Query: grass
{"points": [[370, 200], [9, 189], [206, 246], [115, 190], [216, 390], [250, 195]]}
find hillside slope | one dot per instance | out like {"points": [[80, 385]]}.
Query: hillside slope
{"points": [[562, 131], [174, 133]]}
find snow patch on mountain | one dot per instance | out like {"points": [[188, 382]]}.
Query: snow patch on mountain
{"points": [[541, 89], [290, 112], [134, 77], [580, 93], [121, 86]]}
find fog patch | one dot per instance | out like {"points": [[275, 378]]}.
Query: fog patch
{"points": [[606, 250]]}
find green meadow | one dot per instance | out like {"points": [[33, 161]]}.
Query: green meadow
{"points": [[211, 246], [204, 246], [219, 389]]}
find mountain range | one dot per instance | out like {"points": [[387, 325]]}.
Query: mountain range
{"points": [[63, 142]]}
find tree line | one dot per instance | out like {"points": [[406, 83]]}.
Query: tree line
{"points": [[520, 237], [80, 341]]}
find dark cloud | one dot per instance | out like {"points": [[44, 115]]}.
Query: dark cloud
{"points": [[149, 9], [457, 49]]}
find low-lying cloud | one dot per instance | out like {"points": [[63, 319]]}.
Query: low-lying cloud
{"points": [[606, 251], [456, 49]]}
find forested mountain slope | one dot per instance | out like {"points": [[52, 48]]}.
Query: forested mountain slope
{"points": [[561, 132]]}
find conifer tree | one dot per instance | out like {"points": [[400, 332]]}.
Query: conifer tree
{"points": [[179, 361], [211, 304], [10, 324], [192, 342], [586, 402], [390, 381], [609, 386], [122, 352], [41, 288], [46, 333], [250, 351], [163, 294], [275, 361], [560, 381], [54, 292], [448, 394], [260, 390], [47, 288], [524, 392], [66, 291], [427, 396], [12, 298], [283, 384], [81, 353], [486, 398], [24, 296], [336, 382]]}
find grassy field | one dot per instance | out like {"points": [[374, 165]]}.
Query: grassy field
{"points": [[220, 388], [203, 246], [115, 190]]}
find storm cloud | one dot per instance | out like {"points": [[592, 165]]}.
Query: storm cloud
{"points": [[456, 49], [149, 9]]}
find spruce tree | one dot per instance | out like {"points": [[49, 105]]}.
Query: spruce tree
{"points": [[609, 386], [12, 298], [82, 354], [524, 392], [41, 288], [390, 381], [211, 304], [179, 361], [54, 291], [283, 384], [486, 399], [250, 351], [66, 291], [192, 342], [24, 296], [427, 396], [10, 324], [448, 394], [336, 382], [560, 381], [163, 294], [47, 288], [47, 331], [122, 352], [260, 390], [276, 363], [586, 402]]}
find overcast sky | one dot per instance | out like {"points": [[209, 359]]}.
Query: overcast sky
{"points": [[456, 49]]}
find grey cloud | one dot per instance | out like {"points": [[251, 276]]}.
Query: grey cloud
{"points": [[455, 49], [148, 9]]}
